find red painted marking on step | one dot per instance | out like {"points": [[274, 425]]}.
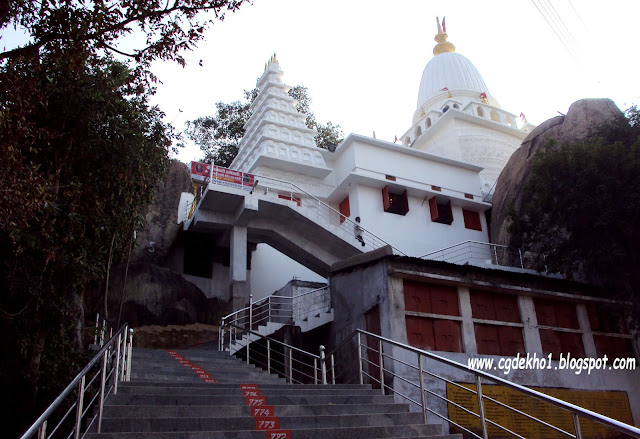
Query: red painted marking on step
{"points": [[196, 368], [253, 401], [267, 423], [209, 380], [249, 386], [204, 376], [266, 410], [249, 392], [282, 434]]}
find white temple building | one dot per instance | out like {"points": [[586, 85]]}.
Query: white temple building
{"points": [[427, 192]]}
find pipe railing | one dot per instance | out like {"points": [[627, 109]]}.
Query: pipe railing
{"points": [[484, 253], [109, 366], [377, 363], [278, 309], [103, 326], [296, 365], [314, 208]]}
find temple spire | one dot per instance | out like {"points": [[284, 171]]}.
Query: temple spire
{"points": [[443, 45]]}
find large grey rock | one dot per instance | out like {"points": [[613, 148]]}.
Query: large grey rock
{"points": [[161, 217], [582, 118], [156, 296]]}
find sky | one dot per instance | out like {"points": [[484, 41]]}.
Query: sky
{"points": [[362, 60]]}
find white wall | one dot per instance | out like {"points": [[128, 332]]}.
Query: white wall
{"points": [[414, 233], [271, 270]]}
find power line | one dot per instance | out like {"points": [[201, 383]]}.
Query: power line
{"points": [[553, 27]]}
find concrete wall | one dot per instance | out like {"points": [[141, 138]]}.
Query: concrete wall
{"points": [[357, 289], [271, 270]]}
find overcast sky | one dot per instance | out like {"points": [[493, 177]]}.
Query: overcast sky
{"points": [[362, 60]]}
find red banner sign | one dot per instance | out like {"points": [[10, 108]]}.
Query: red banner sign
{"points": [[200, 171], [229, 177]]}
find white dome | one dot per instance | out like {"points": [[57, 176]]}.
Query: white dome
{"points": [[450, 70]]}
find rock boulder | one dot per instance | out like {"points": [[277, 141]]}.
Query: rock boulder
{"points": [[161, 227], [156, 296], [582, 118]]}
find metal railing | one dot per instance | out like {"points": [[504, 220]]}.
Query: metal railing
{"points": [[278, 309], [316, 210], [297, 366], [482, 253], [381, 360], [103, 327], [110, 365]]}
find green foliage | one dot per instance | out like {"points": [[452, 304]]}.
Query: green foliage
{"points": [[81, 152], [582, 208], [218, 136]]}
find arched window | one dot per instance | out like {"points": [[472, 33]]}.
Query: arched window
{"points": [[428, 122], [418, 131], [480, 111], [511, 122], [495, 116], [456, 106], [407, 141], [445, 109]]}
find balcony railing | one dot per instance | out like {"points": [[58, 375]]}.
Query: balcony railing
{"points": [[481, 254]]}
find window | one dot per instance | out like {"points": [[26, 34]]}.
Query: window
{"points": [[390, 177], [480, 111], [418, 132], [395, 203], [495, 116], [345, 210], [562, 318], [445, 109], [604, 319], [440, 211], [496, 339], [471, 220], [428, 122], [456, 106], [429, 332], [407, 141]]}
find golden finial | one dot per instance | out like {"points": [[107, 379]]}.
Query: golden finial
{"points": [[271, 61], [443, 45]]}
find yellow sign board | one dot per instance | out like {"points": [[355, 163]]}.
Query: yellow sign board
{"points": [[614, 404]]}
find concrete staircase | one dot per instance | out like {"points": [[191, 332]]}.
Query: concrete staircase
{"points": [[202, 393]]}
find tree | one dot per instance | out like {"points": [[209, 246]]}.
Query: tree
{"points": [[218, 136], [581, 210], [81, 152]]}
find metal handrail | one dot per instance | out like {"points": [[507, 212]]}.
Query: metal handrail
{"points": [[318, 366], [102, 330], [122, 372], [297, 194], [468, 250], [574, 410], [280, 310]]}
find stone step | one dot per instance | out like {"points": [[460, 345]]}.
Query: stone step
{"points": [[248, 422], [214, 390], [207, 400], [232, 386], [377, 432], [172, 411]]}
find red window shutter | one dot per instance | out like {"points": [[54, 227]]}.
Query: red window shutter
{"points": [[612, 347], [447, 335], [405, 203], [420, 332], [482, 306], [545, 313], [345, 210], [487, 339], [551, 343], [566, 316], [471, 220], [507, 308], [417, 296], [433, 207], [511, 341], [572, 344], [385, 198], [444, 300]]}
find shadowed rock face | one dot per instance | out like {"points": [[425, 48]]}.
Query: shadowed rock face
{"points": [[156, 296], [161, 217], [583, 116]]}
